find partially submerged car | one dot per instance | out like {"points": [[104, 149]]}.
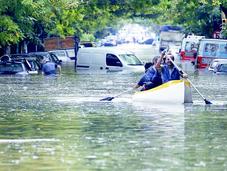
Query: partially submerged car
{"points": [[220, 69], [13, 67], [48, 55], [65, 55], [31, 63], [215, 63]]}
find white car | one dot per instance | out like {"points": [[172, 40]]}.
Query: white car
{"points": [[65, 55], [213, 65]]}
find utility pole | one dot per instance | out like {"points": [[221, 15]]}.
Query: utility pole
{"points": [[76, 48]]}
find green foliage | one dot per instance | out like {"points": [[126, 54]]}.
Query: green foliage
{"points": [[199, 17], [9, 31], [87, 37], [33, 20], [59, 17]]}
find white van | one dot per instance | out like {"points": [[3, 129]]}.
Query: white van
{"points": [[210, 49], [189, 47], [108, 59]]}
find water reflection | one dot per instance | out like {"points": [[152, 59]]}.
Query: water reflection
{"points": [[64, 126]]}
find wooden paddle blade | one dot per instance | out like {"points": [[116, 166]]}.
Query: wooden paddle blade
{"points": [[107, 99], [207, 101]]}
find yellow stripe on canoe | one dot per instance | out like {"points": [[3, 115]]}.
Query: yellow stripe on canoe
{"points": [[166, 85]]}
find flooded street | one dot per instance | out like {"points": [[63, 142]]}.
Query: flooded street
{"points": [[61, 124]]}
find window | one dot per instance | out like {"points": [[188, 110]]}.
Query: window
{"points": [[130, 59], [112, 60]]}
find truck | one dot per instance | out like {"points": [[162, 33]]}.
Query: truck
{"points": [[170, 37], [64, 48], [56, 43]]}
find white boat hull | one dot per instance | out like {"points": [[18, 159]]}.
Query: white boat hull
{"points": [[172, 92]]}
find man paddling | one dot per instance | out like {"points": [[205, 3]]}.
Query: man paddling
{"points": [[161, 72], [152, 77]]}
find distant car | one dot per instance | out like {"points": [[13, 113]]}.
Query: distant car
{"points": [[63, 55], [220, 69], [147, 41], [214, 64], [13, 68], [87, 44]]}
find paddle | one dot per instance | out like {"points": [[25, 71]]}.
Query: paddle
{"points": [[182, 72], [111, 98]]}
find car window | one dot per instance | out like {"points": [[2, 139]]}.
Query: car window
{"points": [[17, 67], [70, 53], [130, 59], [59, 53], [112, 60], [210, 49], [223, 50]]}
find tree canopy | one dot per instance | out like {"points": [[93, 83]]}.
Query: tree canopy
{"points": [[33, 20]]}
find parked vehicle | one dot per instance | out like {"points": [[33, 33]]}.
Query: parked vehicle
{"points": [[71, 53], [109, 59], [54, 43], [216, 62], [210, 49], [218, 66], [87, 44], [221, 69], [64, 55], [13, 68], [189, 47], [48, 55], [32, 65], [170, 36], [148, 41]]}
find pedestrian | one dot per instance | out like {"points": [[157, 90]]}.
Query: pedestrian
{"points": [[50, 68]]}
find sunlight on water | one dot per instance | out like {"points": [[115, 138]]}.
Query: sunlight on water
{"points": [[61, 124], [25, 140]]}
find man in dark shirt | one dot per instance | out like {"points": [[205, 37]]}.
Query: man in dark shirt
{"points": [[50, 68]]}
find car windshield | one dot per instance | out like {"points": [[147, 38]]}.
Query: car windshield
{"points": [[130, 59]]}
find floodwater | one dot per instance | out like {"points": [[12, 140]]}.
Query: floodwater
{"points": [[61, 124]]}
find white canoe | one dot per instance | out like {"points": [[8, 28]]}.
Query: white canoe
{"points": [[172, 92]]}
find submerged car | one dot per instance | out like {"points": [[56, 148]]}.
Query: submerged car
{"points": [[48, 55], [220, 69], [31, 63], [65, 55], [13, 68], [213, 65]]}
